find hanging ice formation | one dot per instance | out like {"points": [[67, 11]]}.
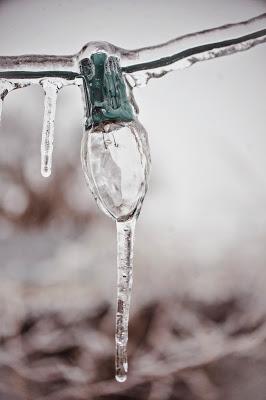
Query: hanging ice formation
{"points": [[115, 151]]}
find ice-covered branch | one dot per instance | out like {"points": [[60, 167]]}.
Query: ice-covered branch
{"points": [[204, 37], [144, 63], [36, 62], [187, 50]]}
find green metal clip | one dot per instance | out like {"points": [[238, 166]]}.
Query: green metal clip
{"points": [[105, 90]]}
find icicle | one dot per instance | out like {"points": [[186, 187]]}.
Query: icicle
{"points": [[1, 104], [116, 164], [125, 242], [51, 88], [5, 88]]}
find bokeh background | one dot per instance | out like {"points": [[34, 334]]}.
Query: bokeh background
{"points": [[197, 328]]}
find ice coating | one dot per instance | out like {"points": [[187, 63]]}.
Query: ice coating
{"points": [[138, 66], [204, 37], [115, 159], [140, 74], [116, 165], [148, 62], [115, 150], [116, 162]]}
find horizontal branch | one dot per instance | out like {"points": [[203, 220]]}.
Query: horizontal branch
{"points": [[147, 62]]}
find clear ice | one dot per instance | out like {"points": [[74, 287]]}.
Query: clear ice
{"points": [[125, 243], [116, 163], [115, 152], [51, 88]]}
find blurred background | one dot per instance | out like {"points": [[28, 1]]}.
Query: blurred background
{"points": [[197, 329]]}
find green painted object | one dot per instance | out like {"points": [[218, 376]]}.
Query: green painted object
{"points": [[105, 90]]}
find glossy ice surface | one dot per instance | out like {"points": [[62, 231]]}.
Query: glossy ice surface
{"points": [[116, 163]]}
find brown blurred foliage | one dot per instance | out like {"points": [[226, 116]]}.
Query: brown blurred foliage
{"points": [[178, 350], [42, 206]]}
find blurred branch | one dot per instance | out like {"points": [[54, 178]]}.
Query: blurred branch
{"points": [[58, 360]]}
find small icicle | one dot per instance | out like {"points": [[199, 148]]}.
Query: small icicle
{"points": [[5, 88], [1, 105], [125, 242], [51, 88]]}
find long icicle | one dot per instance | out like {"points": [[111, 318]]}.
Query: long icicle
{"points": [[125, 243], [51, 88]]}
